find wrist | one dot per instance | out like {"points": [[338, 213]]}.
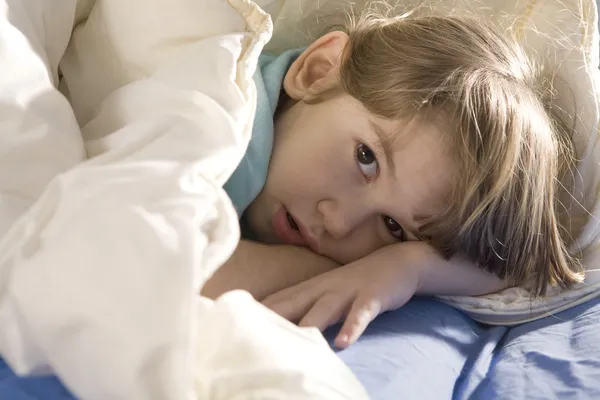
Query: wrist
{"points": [[416, 258]]}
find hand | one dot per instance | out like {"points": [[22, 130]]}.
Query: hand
{"points": [[382, 281]]}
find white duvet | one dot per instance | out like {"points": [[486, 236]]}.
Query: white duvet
{"points": [[101, 260]]}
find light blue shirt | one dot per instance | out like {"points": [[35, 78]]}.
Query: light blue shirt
{"points": [[251, 174]]}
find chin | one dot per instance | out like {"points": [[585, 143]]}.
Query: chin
{"points": [[260, 235], [267, 236], [258, 221]]}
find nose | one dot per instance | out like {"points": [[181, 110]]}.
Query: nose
{"points": [[341, 219]]}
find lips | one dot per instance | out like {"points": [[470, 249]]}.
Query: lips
{"points": [[292, 222], [291, 231]]}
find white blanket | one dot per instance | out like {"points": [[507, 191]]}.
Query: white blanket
{"points": [[101, 260]]}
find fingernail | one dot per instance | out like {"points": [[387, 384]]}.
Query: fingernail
{"points": [[343, 340]]}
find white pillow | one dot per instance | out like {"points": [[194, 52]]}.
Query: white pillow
{"points": [[563, 34]]}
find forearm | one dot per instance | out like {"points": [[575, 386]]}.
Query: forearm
{"points": [[437, 276], [456, 277], [265, 269]]}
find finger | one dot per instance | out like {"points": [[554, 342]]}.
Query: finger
{"points": [[363, 311], [289, 292], [293, 305], [281, 295], [326, 311]]}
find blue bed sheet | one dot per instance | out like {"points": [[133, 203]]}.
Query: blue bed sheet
{"points": [[428, 350]]}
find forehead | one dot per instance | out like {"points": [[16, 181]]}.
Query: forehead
{"points": [[426, 129]]}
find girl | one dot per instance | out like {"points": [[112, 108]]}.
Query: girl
{"points": [[423, 155]]}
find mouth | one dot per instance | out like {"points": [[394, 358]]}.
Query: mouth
{"points": [[292, 222], [291, 231]]}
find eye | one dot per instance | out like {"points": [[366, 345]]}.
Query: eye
{"points": [[367, 162], [393, 227]]}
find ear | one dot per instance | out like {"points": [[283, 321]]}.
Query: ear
{"points": [[316, 67]]}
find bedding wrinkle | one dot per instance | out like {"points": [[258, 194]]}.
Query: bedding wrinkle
{"points": [[39, 135], [104, 258]]}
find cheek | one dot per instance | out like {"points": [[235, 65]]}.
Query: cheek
{"points": [[287, 169], [307, 162]]}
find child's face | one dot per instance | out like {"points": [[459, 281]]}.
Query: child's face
{"points": [[347, 194], [331, 185]]}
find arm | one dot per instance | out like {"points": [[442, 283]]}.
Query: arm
{"points": [[384, 280], [437, 276], [265, 269]]}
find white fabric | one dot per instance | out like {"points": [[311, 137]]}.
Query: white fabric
{"points": [[561, 34], [101, 260]]}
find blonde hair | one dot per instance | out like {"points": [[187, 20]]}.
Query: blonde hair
{"points": [[511, 146]]}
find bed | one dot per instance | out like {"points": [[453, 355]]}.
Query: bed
{"points": [[429, 349]]}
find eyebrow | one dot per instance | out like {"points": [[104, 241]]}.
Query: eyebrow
{"points": [[384, 144]]}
